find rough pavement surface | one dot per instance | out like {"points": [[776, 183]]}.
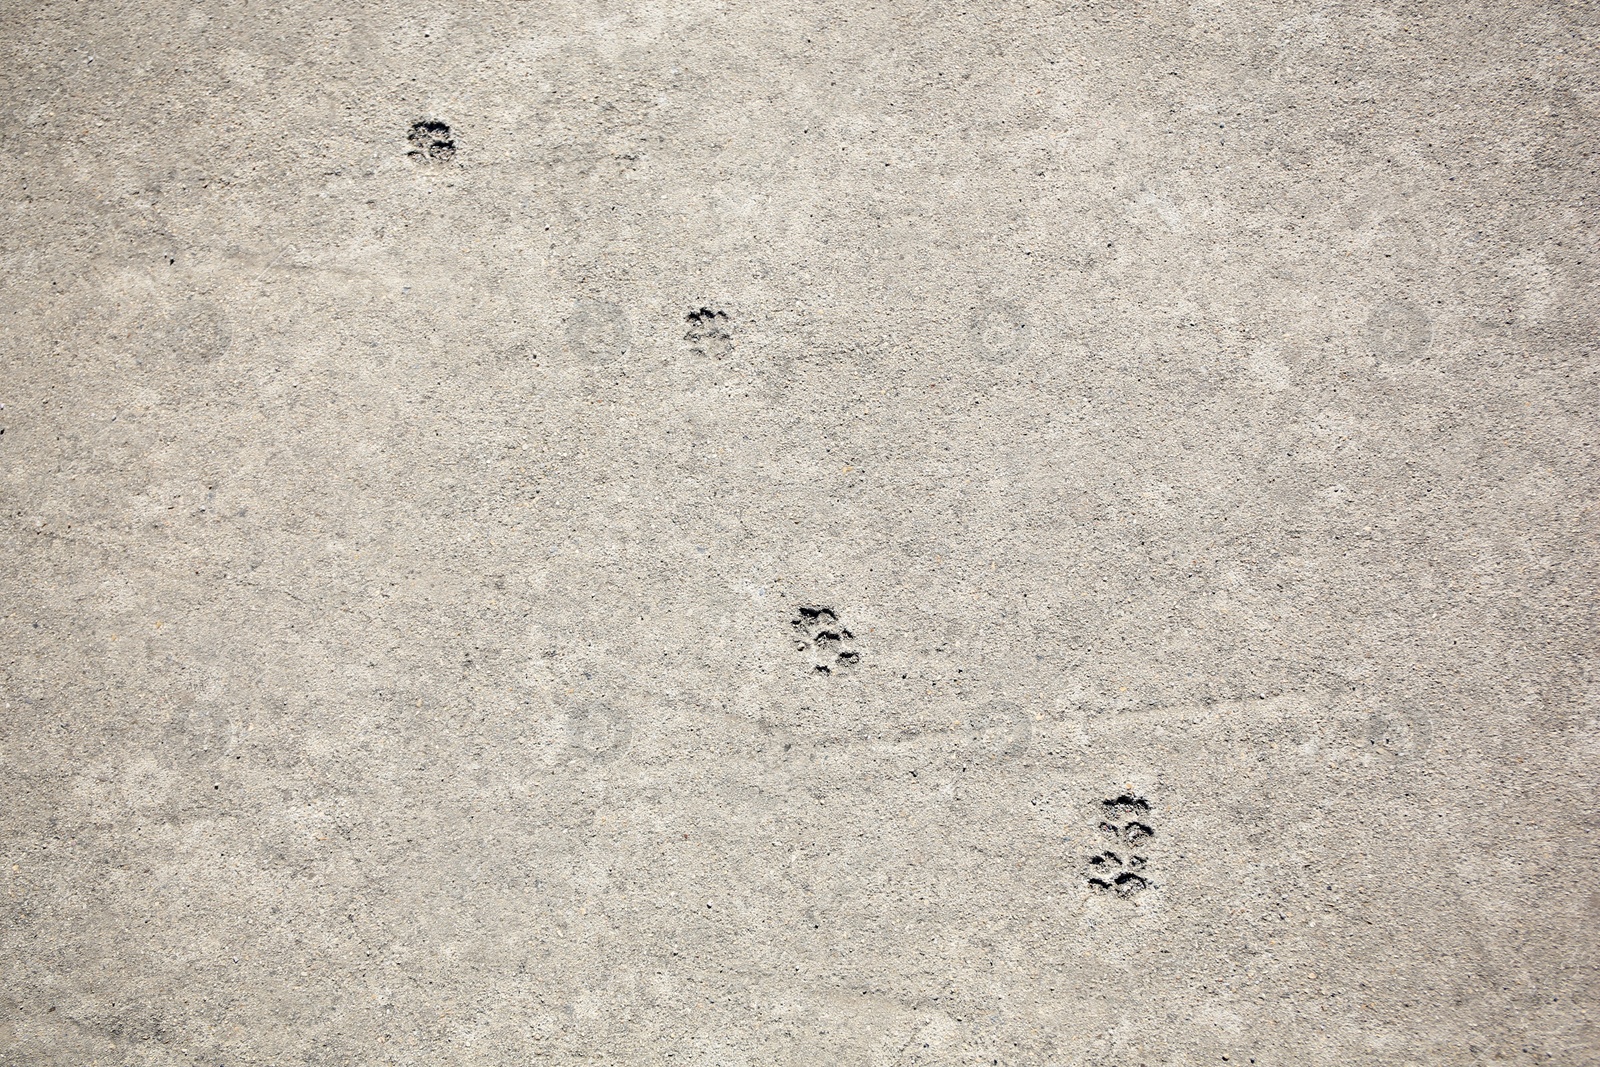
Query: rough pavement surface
{"points": [[588, 533]]}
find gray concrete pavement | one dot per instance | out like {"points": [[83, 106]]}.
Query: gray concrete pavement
{"points": [[713, 534]]}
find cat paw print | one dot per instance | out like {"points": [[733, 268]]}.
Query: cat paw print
{"points": [[431, 139], [710, 333], [1123, 867], [830, 646]]}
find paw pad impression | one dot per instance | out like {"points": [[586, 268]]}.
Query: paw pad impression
{"points": [[1124, 823], [830, 645]]}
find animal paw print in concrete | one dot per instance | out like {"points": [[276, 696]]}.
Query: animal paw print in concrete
{"points": [[830, 646], [710, 333], [431, 139], [1123, 868]]}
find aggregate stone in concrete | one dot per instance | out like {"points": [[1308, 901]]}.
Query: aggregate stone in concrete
{"points": [[1036, 534]]}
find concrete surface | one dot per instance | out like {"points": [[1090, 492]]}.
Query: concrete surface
{"points": [[425, 424]]}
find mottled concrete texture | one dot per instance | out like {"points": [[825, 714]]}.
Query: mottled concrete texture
{"points": [[1037, 534]]}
